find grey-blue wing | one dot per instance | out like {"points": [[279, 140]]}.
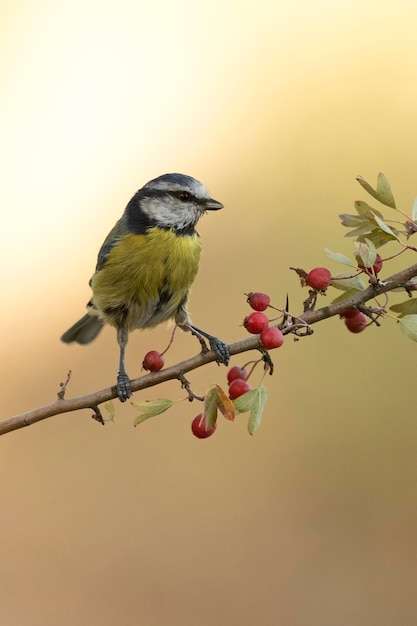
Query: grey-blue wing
{"points": [[110, 241]]}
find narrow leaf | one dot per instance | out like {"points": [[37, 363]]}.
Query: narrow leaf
{"points": [[366, 252], [255, 416], [365, 210], [150, 408], [345, 295], [384, 227], [351, 221], [109, 406], [245, 402], [339, 258], [365, 229], [384, 191], [347, 284], [366, 186], [210, 407], [253, 401], [409, 307], [408, 326], [377, 236]]}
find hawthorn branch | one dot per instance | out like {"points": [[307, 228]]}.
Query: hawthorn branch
{"points": [[177, 372]]}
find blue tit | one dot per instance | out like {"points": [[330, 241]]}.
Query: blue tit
{"points": [[146, 266]]}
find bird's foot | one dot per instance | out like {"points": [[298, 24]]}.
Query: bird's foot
{"points": [[220, 349], [123, 387]]}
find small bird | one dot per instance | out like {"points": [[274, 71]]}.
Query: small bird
{"points": [[146, 266]]}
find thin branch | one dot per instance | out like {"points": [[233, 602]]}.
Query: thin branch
{"points": [[93, 400]]}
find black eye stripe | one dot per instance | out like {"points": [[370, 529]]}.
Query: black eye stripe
{"points": [[183, 195]]}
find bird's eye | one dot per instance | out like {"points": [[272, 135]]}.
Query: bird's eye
{"points": [[184, 196]]}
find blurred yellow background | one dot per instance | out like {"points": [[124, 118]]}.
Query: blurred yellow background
{"points": [[276, 106]]}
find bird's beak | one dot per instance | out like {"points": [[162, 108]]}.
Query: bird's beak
{"points": [[213, 205]]}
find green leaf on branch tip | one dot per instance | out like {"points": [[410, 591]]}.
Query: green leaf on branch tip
{"points": [[109, 406], [339, 258], [384, 227], [366, 251], [365, 210], [409, 307], [352, 221], [364, 230], [253, 401], [408, 326], [150, 408], [210, 408], [346, 282], [377, 236], [382, 193]]}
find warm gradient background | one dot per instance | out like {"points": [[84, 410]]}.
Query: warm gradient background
{"points": [[276, 106]]}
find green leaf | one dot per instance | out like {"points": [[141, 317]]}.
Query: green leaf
{"points": [[366, 251], [253, 401], [346, 282], [377, 236], [382, 193], [384, 227], [339, 258], [109, 406], [210, 407], [409, 307], [365, 229], [150, 408], [345, 295], [408, 326], [255, 416], [351, 221], [365, 210]]}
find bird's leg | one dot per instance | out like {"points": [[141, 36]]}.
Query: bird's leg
{"points": [[123, 381], [219, 348]]}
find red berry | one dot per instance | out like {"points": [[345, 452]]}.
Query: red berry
{"points": [[153, 361], [350, 313], [255, 323], [258, 301], [237, 388], [236, 372], [356, 324], [319, 278], [198, 426], [271, 337], [375, 269]]}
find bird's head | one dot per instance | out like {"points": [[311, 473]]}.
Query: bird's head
{"points": [[170, 201]]}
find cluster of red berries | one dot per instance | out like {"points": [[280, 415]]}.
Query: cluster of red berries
{"points": [[237, 377], [257, 322]]}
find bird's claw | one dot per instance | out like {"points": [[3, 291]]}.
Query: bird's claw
{"points": [[123, 387], [221, 350]]}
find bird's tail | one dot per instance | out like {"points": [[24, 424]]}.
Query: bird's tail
{"points": [[83, 331]]}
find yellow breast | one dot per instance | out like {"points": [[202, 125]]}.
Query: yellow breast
{"points": [[146, 278]]}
